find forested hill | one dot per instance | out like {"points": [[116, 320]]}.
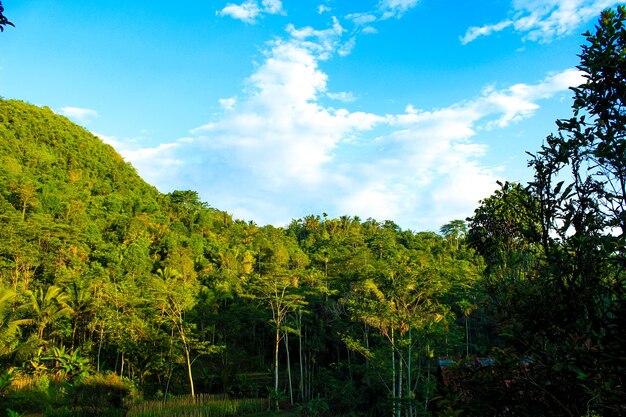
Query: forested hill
{"points": [[99, 272], [52, 167], [70, 204]]}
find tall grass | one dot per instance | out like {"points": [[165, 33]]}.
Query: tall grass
{"points": [[203, 405]]}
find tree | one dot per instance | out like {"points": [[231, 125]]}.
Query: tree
{"points": [[3, 20], [276, 287], [456, 229], [81, 302], [505, 230], [402, 302], [47, 307], [9, 324], [175, 296], [580, 182], [187, 204], [566, 309], [580, 173]]}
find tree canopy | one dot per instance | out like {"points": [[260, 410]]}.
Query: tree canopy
{"points": [[555, 249]]}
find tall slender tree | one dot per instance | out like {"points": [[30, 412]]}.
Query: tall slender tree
{"points": [[175, 296]]}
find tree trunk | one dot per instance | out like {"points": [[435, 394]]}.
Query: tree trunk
{"points": [[466, 337], [99, 347], [276, 345], [289, 368], [409, 388], [301, 381], [187, 357], [427, 399], [74, 326], [399, 399], [189, 373], [393, 374]]}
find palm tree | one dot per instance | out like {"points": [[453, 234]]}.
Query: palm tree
{"points": [[9, 325], [467, 308], [455, 231], [80, 300], [48, 307]]}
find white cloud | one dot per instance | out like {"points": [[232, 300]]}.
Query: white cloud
{"points": [[323, 9], [324, 37], [321, 43], [362, 22], [343, 96], [395, 8], [543, 20], [369, 30], [250, 10], [279, 153], [293, 151], [347, 47], [429, 162], [162, 164], [280, 131], [272, 6], [519, 101], [227, 103], [475, 31], [361, 19], [372, 199], [385, 9], [246, 12], [82, 115]]}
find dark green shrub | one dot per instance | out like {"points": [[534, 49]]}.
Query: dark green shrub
{"points": [[32, 394], [100, 392]]}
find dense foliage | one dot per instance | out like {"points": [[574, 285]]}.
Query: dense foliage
{"points": [[101, 273], [556, 250]]}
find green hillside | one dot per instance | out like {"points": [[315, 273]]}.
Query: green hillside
{"points": [[64, 195], [98, 266], [63, 164]]}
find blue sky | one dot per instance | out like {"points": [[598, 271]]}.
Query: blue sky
{"points": [[407, 110]]}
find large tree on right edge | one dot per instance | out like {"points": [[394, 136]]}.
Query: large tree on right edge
{"points": [[580, 183], [566, 313]]}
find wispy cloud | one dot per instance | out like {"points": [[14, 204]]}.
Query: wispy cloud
{"points": [[543, 20], [478, 31], [321, 43], [251, 10], [323, 9], [364, 23], [361, 19], [395, 8], [228, 103], [79, 114], [343, 96], [385, 9]]}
